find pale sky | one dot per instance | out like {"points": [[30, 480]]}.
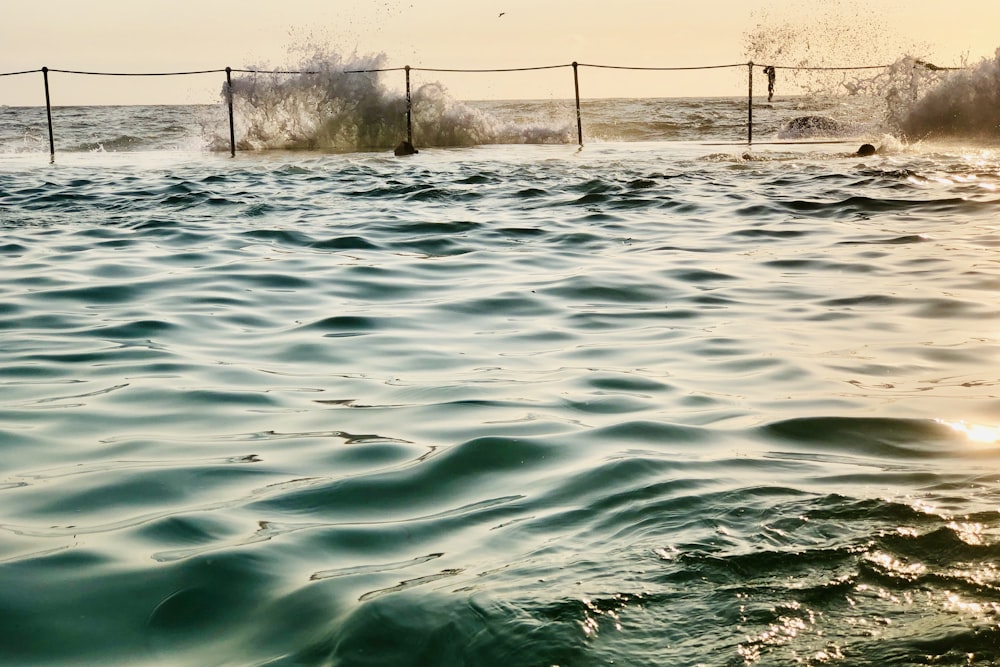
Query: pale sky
{"points": [[180, 35]]}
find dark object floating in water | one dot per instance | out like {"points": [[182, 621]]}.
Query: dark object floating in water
{"points": [[866, 150], [405, 148]]}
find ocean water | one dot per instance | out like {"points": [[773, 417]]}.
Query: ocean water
{"points": [[662, 400]]}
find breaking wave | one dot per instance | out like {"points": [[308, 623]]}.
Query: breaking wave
{"points": [[350, 103], [342, 106], [920, 100], [963, 104]]}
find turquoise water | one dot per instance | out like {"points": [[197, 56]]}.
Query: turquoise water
{"points": [[648, 403]]}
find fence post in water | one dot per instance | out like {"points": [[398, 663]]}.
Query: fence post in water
{"points": [[409, 109], [229, 98], [576, 86], [750, 103], [48, 112]]}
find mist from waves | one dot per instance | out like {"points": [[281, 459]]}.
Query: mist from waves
{"points": [[336, 107], [342, 106], [963, 104], [916, 99], [913, 100]]}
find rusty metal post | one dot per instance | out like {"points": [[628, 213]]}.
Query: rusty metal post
{"points": [[750, 103], [232, 126], [576, 86], [409, 109], [48, 111]]}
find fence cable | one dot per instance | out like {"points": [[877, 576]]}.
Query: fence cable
{"points": [[203, 71], [768, 69], [662, 69], [804, 68], [504, 69], [27, 71], [276, 71], [926, 65]]}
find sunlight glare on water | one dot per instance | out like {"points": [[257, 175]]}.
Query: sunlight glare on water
{"points": [[979, 434]]}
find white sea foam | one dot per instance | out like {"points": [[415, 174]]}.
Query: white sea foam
{"points": [[964, 104], [920, 99], [343, 105]]}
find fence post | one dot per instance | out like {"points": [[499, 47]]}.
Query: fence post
{"points": [[232, 126], [409, 109], [576, 86], [750, 103], [48, 112]]}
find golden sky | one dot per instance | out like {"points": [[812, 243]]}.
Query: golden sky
{"points": [[178, 35]]}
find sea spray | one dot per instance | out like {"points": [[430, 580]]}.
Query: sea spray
{"points": [[922, 100], [812, 49], [963, 103], [340, 103], [847, 49], [334, 103]]}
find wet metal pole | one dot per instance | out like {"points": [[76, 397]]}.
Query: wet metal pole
{"points": [[232, 126], [409, 109], [48, 111], [576, 86], [750, 103]]}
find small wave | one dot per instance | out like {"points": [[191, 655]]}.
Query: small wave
{"points": [[124, 142], [892, 438]]}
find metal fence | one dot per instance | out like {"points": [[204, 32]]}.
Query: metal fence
{"points": [[768, 70]]}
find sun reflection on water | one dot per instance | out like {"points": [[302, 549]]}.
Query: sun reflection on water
{"points": [[977, 433]]}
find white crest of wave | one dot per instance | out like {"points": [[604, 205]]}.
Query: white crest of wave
{"points": [[963, 104], [341, 106], [919, 99]]}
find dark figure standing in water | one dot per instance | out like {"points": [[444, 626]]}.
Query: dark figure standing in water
{"points": [[769, 71]]}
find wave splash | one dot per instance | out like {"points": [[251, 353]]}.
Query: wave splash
{"points": [[964, 103], [920, 100], [923, 101], [341, 105]]}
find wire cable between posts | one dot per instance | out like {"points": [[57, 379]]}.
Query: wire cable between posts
{"points": [[576, 82], [466, 70], [27, 71], [201, 71], [494, 70], [662, 69]]}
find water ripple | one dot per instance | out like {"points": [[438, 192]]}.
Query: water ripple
{"points": [[519, 405]]}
